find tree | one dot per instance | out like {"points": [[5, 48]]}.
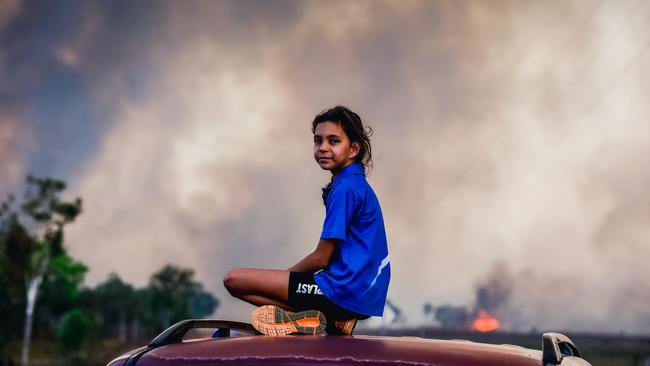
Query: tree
{"points": [[60, 290], [202, 304], [115, 302], [74, 329], [173, 295], [42, 216], [16, 247], [428, 311]]}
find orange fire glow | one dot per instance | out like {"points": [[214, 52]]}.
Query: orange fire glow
{"points": [[485, 322]]}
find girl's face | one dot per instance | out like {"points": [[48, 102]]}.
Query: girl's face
{"points": [[333, 150]]}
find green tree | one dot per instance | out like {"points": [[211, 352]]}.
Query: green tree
{"points": [[74, 329], [173, 295], [60, 290], [116, 305], [40, 218], [202, 304], [15, 248]]}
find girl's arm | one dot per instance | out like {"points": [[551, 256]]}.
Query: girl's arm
{"points": [[318, 259]]}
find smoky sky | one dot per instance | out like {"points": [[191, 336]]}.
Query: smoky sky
{"points": [[510, 141]]}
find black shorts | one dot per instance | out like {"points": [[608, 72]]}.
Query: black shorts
{"points": [[304, 294]]}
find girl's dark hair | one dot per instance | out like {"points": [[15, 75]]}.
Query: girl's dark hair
{"points": [[353, 127]]}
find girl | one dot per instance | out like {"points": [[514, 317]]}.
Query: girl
{"points": [[346, 277]]}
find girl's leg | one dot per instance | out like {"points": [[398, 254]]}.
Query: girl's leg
{"points": [[261, 300], [259, 286], [271, 287]]}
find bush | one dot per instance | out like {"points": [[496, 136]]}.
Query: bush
{"points": [[74, 329]]}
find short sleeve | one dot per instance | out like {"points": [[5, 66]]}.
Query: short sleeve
{"points": [[339, 211]]}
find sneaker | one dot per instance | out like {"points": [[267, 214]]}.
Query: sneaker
{"points": [[341, 327], [273, 320]]}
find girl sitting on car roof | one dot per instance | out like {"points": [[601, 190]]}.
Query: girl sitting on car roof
{"points": [[346, 277]]}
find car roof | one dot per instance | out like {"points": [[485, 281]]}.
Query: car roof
{"points": [[339, 350]]}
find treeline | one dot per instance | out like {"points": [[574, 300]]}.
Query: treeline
{"points": [[42, 296]]}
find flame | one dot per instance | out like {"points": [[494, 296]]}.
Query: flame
{"points": [[485, 322]]}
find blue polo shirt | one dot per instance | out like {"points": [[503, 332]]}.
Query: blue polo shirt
{"points": [[358, 274]]}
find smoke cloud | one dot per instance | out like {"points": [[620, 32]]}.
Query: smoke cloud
{"points": [[10, 158], [507, 134], [8, 9]]}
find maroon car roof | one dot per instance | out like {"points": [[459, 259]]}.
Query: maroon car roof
{"points": [[338, 350]]}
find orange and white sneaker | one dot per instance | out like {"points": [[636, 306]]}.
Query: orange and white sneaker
{"points": [[273, 320], [341, 327]]}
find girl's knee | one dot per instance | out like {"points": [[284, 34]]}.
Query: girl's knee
{"points": [[230, 281]]}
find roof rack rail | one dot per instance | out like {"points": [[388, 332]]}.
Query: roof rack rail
{"points": [[176, 332], [556, 346]]}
